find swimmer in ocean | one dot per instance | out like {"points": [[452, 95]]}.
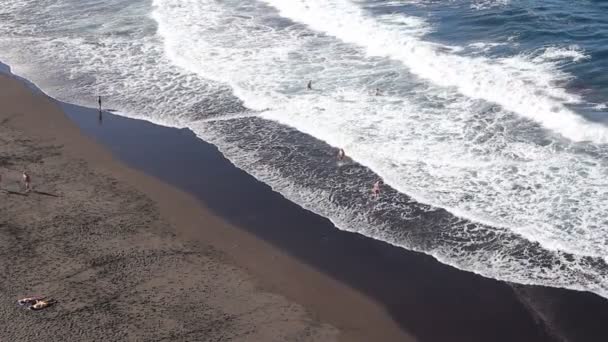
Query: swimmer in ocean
{"points": [[309, 85]]}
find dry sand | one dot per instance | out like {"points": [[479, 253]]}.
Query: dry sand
{"points": [[103, 250]]}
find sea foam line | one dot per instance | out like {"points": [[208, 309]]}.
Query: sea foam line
{"points": [[300, 105], [517, 84], [338, 109]]}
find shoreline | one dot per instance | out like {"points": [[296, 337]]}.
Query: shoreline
{"points": [[314, 252], [366, 288], [194, 224], [341, 249], [109, 254]]}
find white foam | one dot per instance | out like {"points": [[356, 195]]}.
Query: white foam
{"points": [[459, 249], [434, 134], [528, 90], [487, 4], [554, 53], [428, 151], [600, 106], [485, 46]]}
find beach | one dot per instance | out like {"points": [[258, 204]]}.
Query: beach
{"points": [[196, 249], [106, 252], [311, 170]]}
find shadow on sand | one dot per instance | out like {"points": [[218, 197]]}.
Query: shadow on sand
{"points": [[44, 193], [12, 192]]}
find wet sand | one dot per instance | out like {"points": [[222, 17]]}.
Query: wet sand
{"points": [[428, 300], [196, 249]]}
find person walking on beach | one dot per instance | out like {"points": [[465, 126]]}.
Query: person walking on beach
{"points": [[27, 181], [309, 85], [341, 154], [376, 189], [100, 115]]}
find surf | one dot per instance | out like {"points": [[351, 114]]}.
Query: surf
{"points": [[235, 73], [442, 136], [517, 85], [378, 150]]}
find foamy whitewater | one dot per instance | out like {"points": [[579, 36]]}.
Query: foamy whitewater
{"points": [[491, 126]]}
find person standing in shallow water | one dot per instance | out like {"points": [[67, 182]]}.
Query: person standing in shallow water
{"points": [[376, 189], [99, 102], [309, 85]]}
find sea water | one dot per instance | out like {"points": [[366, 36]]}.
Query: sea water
{"points": [[490, 129]]}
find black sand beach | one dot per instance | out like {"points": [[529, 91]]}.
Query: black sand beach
{"points": [[131, 258], [107, 253], [429, 300]]}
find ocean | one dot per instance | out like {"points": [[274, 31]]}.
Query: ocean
{"points": [[490, 129]]}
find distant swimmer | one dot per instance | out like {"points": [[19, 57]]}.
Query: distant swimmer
{"points": [[309, 85], [341, 154], [378, 92], [376, 189]]}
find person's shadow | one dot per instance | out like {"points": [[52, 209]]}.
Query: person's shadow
{"points": [[10, 192], [45, 193]]}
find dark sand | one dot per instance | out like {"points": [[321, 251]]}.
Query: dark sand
{"points": [[128, 256], [103, 250], [429, 300]]}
